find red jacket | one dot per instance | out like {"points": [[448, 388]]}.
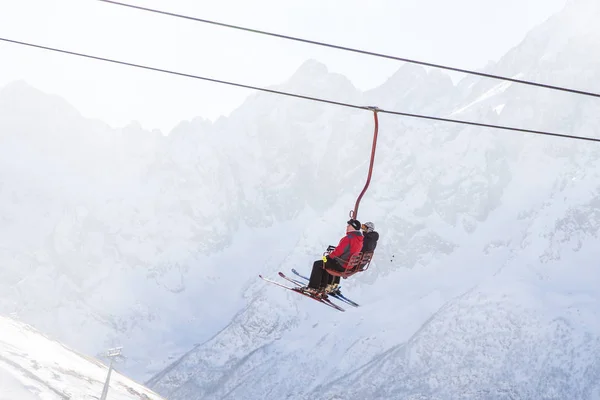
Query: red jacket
{"points": [[349, 245]]}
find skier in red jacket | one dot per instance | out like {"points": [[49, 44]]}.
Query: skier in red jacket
{"points": [[349, 245]]}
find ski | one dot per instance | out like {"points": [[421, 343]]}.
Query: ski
{"points": [[338, 295], [298, 273], [297, 290], [302, 286]]}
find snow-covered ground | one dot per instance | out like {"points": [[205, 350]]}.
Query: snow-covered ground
{"points": [[34, 367]]}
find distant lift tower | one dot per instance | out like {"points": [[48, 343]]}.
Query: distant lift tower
{"points": [[112, 354]]}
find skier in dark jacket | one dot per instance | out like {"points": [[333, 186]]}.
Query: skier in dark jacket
{"points": [[349, 245], [370, 237]]}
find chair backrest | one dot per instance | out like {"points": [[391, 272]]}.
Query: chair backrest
{"points": [[354, 261], [365, 261]]}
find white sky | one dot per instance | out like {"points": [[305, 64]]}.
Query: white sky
{"points": [[461, 33]]}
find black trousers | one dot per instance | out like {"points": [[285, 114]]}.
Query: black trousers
{"points": [[319, 278]]}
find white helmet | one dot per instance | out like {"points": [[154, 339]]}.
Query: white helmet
{"points": [[368, 226]]}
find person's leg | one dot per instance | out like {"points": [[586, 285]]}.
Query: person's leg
{"points": [[325, 278], [330, 278], [333, 279], [316, 276]]}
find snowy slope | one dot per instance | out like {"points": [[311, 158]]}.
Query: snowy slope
{"points": [[35, 367]]}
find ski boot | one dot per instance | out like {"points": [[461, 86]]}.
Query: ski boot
{"points": [[333, 289], [318, 293]]}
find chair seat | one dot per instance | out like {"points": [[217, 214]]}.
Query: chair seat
{"points": [[358, 262]]}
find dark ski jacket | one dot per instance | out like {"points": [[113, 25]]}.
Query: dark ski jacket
{"points": [[370, 242], [348, 246]]}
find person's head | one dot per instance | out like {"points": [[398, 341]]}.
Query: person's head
{"points": [[353, 225], [368, 227]]}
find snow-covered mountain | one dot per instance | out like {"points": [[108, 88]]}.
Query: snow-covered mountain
{"points": [[493, 289], [34, 367], [484, 283]]}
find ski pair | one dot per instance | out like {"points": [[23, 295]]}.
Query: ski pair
{"points": [[337, 294], [301, 289]]}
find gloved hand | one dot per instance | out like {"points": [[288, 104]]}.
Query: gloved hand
{"points": [[330, 248]]}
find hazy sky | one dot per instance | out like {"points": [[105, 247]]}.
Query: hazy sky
{"points": [[462, 33]]}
